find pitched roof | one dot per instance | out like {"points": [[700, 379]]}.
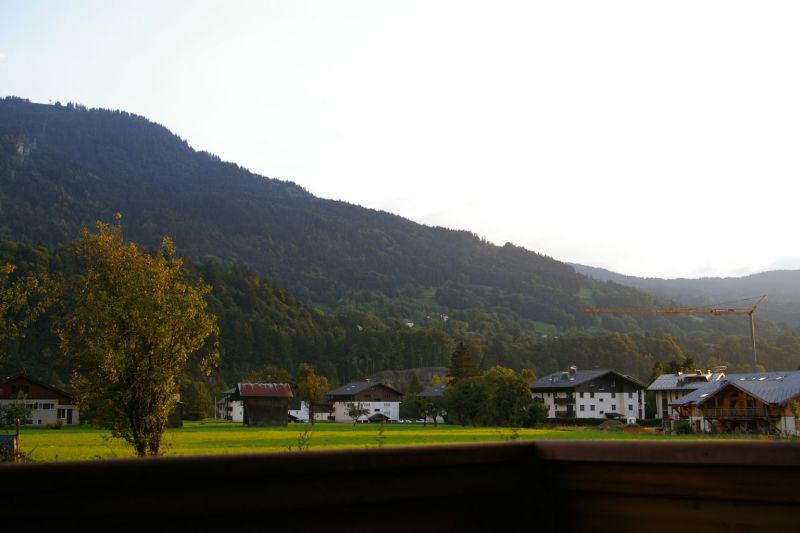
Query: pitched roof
{"points": [[769, 387], [354, 387], [683, 382], [433, 392], [38, 382], [568, 380], [264, 390]]}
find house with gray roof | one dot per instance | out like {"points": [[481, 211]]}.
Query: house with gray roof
{"points": [[671, 387], [757, 402], [377, 398], [590, 394]]}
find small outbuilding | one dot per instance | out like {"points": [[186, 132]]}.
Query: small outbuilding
{"points": [[265, 404]]}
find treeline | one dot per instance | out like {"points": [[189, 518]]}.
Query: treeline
{"points": [[262, 323]]}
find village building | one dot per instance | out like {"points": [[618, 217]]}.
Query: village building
{"points": [[590, 394], [265, 404], [435, 395], [671, 387], [46, 404], [758, 402], [230, 409], [381, 401]]}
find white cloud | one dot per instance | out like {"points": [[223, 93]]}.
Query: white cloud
{"points": [[3, 56]]}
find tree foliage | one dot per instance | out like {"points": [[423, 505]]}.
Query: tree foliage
{"points": [[134, 321], [311, 388]]}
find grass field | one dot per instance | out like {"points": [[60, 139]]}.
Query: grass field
{"points": [[215, 437]]}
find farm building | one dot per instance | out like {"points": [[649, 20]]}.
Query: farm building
{"points": [[265, 404], [376, 398], [47, 404], [590, 394]]}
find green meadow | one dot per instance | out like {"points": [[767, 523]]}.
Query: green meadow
{"points": [[216, 437]]}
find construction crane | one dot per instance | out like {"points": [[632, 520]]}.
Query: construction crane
{"points": [[720, 309]]}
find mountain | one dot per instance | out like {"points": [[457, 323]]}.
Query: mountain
{"points": [[782, 288], [300, 277]]}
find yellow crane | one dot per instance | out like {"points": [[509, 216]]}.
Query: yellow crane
{"points": [[724, 308]]}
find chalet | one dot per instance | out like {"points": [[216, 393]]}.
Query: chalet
{"points": [[376, 398], [229, 409], [47, 404], [590, 394], [758, 402], [265, 404], [671, 387], [435, 396]]}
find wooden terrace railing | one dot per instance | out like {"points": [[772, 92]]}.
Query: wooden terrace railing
{"points": [[533, 486]]}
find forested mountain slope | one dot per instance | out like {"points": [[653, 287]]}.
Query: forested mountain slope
{"points": [[782, 288], [298, 277]]}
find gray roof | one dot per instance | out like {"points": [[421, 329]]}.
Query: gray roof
{"points": [[769, 387], [433, 392], [568, 380], [355, 387], [683, 382]]}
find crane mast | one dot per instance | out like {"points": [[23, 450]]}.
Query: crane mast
{"points": [[716, 310]]}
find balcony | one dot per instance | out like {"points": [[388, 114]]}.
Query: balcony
{"points": [[560, 485], [742, 414], [564, 401]]}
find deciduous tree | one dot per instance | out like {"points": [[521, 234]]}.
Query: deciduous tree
{"points": [[135, 321], [311, 388], [22, 300]]}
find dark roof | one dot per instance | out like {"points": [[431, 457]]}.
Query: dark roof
{"points": [[38, 382], [433, 392], [769, 387], [355, 387], [378, 417], [683, 382], [264, 390], [568, 380]]}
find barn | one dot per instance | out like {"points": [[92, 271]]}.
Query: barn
{"points": [[265, 404]]}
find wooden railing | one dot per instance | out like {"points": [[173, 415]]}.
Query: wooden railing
{"points": [[542, 486], [752, 412]]}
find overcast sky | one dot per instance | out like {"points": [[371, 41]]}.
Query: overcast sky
{"points": [[650, 138]]}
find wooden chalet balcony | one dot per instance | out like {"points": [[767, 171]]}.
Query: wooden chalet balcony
{"points": [[615, 486], [564, 401], [742, 414]]}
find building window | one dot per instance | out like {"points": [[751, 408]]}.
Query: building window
{"points": [[583, 407], [613, 394], [62, 413], [591, 407], [601, 412], [581, 395], [601, 399], [630, 395], [630, 407], [591, 395]]}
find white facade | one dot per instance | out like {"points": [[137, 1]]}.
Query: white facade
{"points": [[43, 412], [231, 410], [630, 405], [390, 409], [302, 413]]}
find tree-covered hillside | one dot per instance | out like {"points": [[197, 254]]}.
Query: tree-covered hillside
{"points": [[782, 288], [295, 277]]}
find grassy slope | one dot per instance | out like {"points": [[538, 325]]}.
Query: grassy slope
{"points": [[200, 438]]}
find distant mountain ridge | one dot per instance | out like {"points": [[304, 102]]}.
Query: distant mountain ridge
{"points": [[782, 288]]}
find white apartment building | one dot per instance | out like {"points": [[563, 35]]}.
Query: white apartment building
{"points": [[590, 394]]}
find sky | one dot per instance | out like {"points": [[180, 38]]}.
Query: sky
{"points": [[651, 138]]}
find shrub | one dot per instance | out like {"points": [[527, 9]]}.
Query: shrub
{"points": [[683, 428]]}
